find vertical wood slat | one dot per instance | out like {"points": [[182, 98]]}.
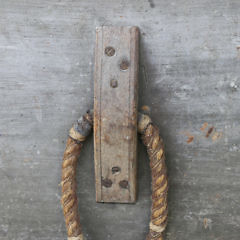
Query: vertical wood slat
{"points": [[115, 113]]}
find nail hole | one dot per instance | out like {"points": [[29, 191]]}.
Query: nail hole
{"points": [[107, 182], [124, 65], [123, 184], [109, 51], [116, 170], [113, 83]]}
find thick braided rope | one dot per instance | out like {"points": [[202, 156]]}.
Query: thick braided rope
{"points": [[154, 144], [155, 149], [77, 135]]}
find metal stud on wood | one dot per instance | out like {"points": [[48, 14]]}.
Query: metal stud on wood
{"points": [[115, 113]]}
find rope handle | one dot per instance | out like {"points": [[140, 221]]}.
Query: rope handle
{"points": [[155, 149]]}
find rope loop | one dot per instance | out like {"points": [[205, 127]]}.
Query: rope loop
{"points": [[155, 149]]}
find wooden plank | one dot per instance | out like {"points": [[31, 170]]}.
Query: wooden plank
{"points": [[115, 113]]}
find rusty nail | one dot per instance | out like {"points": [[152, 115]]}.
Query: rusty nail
{"points": [[123, 184], [107, 182], [109, 51], [116, 170], [124, 65], [113, 83]]}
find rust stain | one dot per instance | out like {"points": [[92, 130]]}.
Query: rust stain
{"points": [[190, 139], [205, 223], [189, 135], [209, 131], [204, 126], [145, 108], [216, 136]]}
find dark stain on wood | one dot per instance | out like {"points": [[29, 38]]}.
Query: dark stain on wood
{"points": [[123, 184], [106, 182]]}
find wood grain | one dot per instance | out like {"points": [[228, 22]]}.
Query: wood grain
{"points": [[115, 113]]}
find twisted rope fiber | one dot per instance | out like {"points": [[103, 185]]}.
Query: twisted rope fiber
{"points": [[77, 135], [155, 149], [153, 142]]}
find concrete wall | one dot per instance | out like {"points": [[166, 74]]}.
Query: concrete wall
{"points": [[190, 78]]}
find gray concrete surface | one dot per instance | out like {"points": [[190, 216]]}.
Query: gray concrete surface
{"points": [[190, 75]]}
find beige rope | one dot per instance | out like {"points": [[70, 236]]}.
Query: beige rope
{"points": [[77, 134], [151, 139], [80, 237], [155, 149]]}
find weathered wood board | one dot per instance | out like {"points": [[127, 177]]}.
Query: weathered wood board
{"points": [[189, 76], [115, 113]]}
